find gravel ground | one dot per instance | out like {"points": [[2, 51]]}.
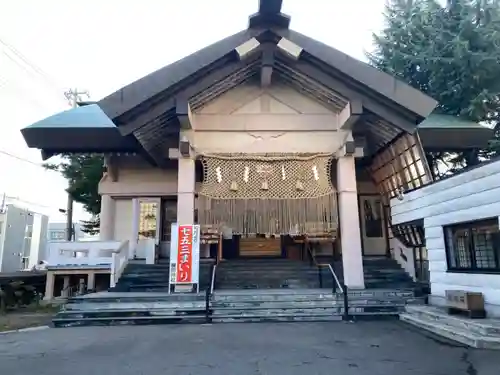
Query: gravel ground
{"points": [[387, 348], [14, 321]]}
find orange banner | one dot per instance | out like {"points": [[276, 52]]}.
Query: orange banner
{"points": [[185, 254]]}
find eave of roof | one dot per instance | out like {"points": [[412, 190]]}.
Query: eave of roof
{"points": [[81, 129], [450, 133], [378, 81], [154, 84], [434, 121]]}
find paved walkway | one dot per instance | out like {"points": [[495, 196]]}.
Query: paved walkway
{"points": [[385, 348]]}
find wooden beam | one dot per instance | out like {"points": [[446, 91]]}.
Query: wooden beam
{"points": [[183, 113], [246, 49], [270, 6], [269, 15], [111, 167], [289, 48], [192, 89], [388, 112], [350, 114], [266, 70]]}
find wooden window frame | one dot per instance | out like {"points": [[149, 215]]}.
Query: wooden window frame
{"points": [[471, 251]]}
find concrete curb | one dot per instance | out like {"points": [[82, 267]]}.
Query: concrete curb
{"points": [[29, 329]]}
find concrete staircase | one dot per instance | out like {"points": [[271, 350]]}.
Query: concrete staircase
{"points": [[141, 277], [246, 290], [115, 308], [478, 333], [305, 304], [140, 297], [382, 272], [268, 273], [276, 305]]}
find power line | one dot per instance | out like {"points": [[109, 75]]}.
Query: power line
{"points": [[21, 158], [3, 152], [27, 63], [8, 199]]}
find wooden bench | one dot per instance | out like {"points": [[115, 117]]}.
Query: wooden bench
{"points": [[462, 302]]}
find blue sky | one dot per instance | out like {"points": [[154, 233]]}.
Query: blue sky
{"points": [[49, 46]]}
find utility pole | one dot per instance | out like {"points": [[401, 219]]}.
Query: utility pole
{"points": [[2, 203], [73, 95]]}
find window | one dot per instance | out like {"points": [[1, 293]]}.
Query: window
{"points": [[56, 235], [29, 231], [473, 246], [402, 164], [147, 219]]}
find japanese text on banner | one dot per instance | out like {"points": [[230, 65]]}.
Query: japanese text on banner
{"points": [[185, 254]]}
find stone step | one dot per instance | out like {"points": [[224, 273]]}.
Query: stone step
{"points": [[285, 317], [302, 305], [131, 312], [272, 276], [304, 295], [264, 273], [276, 311], [483, 327], [131, 305], [107, 308], [106, 297], [400, 277], [388, 285], [158, 287], [292, 315], [460, 335], [126, 320]]}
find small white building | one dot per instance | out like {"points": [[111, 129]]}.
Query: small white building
{"points": [[460, 218], [23, 238], [57, 232]]}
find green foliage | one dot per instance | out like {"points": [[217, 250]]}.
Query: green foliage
{"points": [[16, 293], [83, 173], [452, 53]]}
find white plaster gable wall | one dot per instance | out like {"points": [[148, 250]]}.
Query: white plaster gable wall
{"points": [[137, 178], [123, 219], [278, 119], [473, 195]]}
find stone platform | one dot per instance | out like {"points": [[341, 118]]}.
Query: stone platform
{"points": [[475, 333]]}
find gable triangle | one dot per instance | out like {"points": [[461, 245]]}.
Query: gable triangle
{"points": [[264, 103]]}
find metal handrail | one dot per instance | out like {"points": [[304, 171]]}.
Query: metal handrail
{"points": [[326, 265], [343, 288], [208, 295], [334, 276], [212, 280]]}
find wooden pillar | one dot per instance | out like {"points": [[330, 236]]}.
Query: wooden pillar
{"points": [[350, 233], [91, 280], [49, 286], [66, 285], [107, 218], [185, 191]]}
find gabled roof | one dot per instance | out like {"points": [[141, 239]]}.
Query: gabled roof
{"points": [[147, 112], [169, 79]]}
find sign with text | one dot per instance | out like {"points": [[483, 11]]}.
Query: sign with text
{"points": [[184, 254]]}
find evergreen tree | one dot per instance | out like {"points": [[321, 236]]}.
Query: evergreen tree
{"points": [[451, 53], [83, 173]]}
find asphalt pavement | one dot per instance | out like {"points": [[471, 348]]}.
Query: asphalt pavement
{"points": [[374, 348]]}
